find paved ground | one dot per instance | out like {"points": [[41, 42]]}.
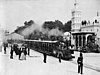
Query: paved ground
{"points": [[34, 65], [91, 60]]}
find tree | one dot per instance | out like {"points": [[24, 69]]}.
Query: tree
{"points": [[25, 23], [19, 29], [28, 23], [53, 24], [59, 24], [49, 25], [67, 26]]}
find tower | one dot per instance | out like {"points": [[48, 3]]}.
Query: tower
{"points": [[76, 18]]}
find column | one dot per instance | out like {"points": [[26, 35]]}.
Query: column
{"points": [[86, 39], [78, 40], [82, 40], [75, 41]]}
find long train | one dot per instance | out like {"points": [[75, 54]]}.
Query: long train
{"points": [[51, 48]]}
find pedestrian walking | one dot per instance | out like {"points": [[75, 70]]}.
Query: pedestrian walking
{"points": [[80, 63], [45, 57], [23, 53], [11, 52], [20, 53], [28, 52], [60, 55], [4, 48], [16, 49]]}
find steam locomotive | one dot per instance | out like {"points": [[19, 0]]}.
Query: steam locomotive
{"points": [[51, 48]]}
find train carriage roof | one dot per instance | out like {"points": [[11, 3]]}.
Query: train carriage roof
{"points": [[42, 41]]}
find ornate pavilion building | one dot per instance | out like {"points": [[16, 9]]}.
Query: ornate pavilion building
{"points": [[81, 31]]}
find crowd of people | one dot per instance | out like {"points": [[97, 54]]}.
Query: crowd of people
{"points": [[19, 49]]}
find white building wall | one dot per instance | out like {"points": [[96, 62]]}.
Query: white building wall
{"points": [[76, 18], [92, 28], [97, 31], [87, 29]]}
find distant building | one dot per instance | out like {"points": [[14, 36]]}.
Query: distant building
{"points": [[83, 30]]}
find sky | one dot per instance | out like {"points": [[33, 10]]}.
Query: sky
{"points": [[14, 13]]}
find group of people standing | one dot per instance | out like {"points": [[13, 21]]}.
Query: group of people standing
{"points": [[5, 47], [21, 51]]}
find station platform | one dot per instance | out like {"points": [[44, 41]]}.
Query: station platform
{"points": [[33, 65]]}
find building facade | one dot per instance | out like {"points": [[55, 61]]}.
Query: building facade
{"points": [[76, 18], [82, 31]]}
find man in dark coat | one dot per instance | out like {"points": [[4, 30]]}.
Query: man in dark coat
{"points": [[28, 52], [25, 53], [15, 47], [60, 56], [19, 53], [4, 48], [45, 56], [80, 63], [11, 52], [24, 50]]}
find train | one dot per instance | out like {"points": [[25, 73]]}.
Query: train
{"points": [[51, 48]]}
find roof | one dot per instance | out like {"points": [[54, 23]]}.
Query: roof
{"points": [[41, 41], [15, 36]]}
